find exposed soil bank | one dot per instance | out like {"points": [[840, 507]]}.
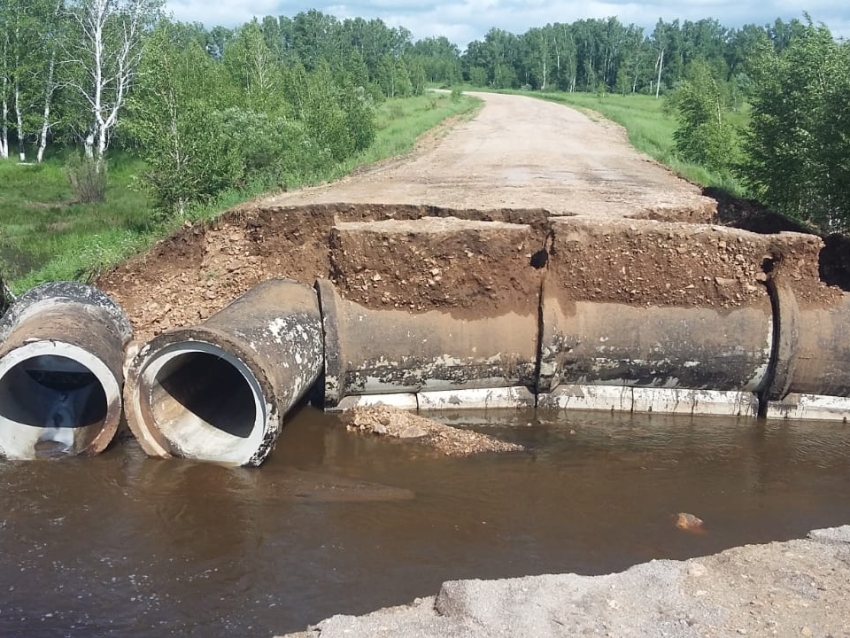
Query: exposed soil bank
{"points": [[795, 588], [466, 262]]}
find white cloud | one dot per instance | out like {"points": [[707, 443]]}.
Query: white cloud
{"points": [[466, 20]]}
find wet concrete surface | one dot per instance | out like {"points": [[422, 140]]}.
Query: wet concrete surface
{"points": [[337, 522]]}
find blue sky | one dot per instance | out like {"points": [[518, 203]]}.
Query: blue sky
{"points": [[465, 20]]}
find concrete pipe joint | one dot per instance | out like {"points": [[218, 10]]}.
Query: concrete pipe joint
{"points": [[612, 344], [375, 351], [218, 391], [61, 360]]}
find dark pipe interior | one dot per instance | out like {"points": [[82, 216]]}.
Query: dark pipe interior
{"points": [[197, 388], [49, 391]]}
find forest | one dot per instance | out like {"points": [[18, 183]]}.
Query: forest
{"points": [[115, 91]]}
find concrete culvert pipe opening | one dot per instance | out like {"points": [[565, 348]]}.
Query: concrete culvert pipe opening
{"points": [[54, 400], [204, 402]]}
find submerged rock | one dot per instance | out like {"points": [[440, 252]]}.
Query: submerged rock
{"points": [[689, 523]]}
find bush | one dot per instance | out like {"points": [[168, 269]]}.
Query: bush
{"points": [[798, 143], [87, 178], [703, 136]]}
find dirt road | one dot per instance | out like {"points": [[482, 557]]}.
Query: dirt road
{"points": [[520, 152]]}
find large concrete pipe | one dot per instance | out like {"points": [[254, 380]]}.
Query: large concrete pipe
{"points": [[382, 352], [593, 343], [61, 359], [672, 319], [219, 391], [811, 376]]}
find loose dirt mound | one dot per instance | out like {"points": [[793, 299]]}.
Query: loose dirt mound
{"points": [[392, 422]]}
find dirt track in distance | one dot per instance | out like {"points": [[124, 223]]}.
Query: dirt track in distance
{"points": [[521, 152]]}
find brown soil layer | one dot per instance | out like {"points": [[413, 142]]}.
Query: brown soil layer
{"points": [[392, 422], [182, 280], [437, 263], [664, 263]]}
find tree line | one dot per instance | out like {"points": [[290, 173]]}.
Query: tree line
{"points": [[605, 55], [280, 98], [207, 110]]}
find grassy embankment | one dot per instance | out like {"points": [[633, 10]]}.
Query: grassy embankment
{"points": [[46, 236], [649, 129]]}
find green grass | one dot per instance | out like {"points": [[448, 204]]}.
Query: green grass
{"points": [[46, 236]]}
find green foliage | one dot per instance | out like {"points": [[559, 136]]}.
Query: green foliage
{"points": [[700, 104], [478, 76], [87, 178], [797, 150], [45, 235]]}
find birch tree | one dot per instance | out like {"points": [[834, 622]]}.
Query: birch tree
{"points": [[4, 91], [50, 41], [104, 51]]}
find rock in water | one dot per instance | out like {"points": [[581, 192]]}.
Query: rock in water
{"points": [[689, 523]]}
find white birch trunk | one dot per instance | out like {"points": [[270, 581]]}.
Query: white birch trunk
{"points": [[19, 118], [660, 67], [4, 110], [110, 68], [4, 127], [49, 89]]}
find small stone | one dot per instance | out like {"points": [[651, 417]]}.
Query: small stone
{"points": [[723, 281], [805, 631], [761, 277], [379, 428], [412, 432], [376, 277], [688, 522], [742, 631], [435, 271]]}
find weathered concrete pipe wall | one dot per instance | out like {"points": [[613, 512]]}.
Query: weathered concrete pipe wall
{"points": [[219, 391], [61, 359], [671, 317], [370, 351], [811, 377]]}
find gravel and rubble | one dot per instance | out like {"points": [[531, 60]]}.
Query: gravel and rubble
{"points": [[793, 588], [384, 420]]}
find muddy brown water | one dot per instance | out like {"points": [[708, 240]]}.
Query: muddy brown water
{"points": [[335, 522]]}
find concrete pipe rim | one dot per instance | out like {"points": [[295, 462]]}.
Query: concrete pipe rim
{"points": [[189, 434], [57, 357]]}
